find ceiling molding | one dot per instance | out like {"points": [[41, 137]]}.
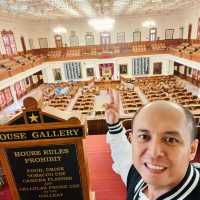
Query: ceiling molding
{"points": [[79, 9]]}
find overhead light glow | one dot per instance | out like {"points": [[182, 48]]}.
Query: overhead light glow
{"points": [[102, 24], [149, 24], [59, 30]]}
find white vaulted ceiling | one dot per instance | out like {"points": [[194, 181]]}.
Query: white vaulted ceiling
{"points": [[67, 9]]}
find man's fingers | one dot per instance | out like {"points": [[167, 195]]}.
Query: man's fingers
{"points": [[112, 96], [107, 105], [111, 116], [116, 99], [110, 106]]}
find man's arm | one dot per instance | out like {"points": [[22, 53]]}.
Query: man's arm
{"points": [[119, 144]]}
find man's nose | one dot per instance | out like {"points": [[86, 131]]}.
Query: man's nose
{"points": [[155, 148]]}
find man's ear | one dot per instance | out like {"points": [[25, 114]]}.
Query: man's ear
{"points": [[193, 150], [131, 136], [128, 134]]}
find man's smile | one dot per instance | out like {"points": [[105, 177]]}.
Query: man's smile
{"points": [[155, 168]]}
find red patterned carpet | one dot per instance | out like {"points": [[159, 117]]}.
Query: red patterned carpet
{"points": [[104, 182], [5, 194]]}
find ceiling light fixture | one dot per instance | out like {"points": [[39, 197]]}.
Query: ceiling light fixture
{"points": [[59, 30], [102, 24], [149, 24]]}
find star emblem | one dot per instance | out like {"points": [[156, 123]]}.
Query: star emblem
{"points": [[33, 118]]}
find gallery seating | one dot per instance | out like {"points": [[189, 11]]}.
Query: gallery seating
{"points": [[139, 48], [168, 88], [158, 46], [182, 46]]}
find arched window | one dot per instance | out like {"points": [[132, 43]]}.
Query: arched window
{"points": [[120, 37], [58, 41], [136, 36], [169, 34], [152, 34], [105, 38], [89, 38], [73, 39]]}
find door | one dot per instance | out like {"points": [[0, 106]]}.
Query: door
{"points": [[152, 34], [58, 41]]}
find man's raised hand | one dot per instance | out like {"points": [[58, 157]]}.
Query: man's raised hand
{"points": [[112, 110]]}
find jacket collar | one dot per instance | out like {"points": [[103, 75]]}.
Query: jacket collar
{"points": [[181, 191]]}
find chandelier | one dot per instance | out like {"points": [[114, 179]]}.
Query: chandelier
{"points": [[102, 23], [59, 30], [149, 24]]}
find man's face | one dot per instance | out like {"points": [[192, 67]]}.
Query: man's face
{"points": [[162, 146]]}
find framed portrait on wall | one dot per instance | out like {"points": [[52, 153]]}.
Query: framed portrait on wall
{"points": [[57, 74], [90, 71], [123, 69], [157, 68]]}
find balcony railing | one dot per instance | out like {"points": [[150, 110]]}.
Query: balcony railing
{"points": [[39, 56]]}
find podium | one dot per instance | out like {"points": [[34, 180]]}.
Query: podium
{"points": [[42, 156]]}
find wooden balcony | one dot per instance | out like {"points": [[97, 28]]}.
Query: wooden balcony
{"points": [[38, 56], [108, 51]]}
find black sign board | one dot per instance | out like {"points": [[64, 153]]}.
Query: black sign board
{"points": [[12, 136], [46, 172]]}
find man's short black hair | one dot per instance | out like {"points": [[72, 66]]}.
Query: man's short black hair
{"points": [[189, 118]]}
